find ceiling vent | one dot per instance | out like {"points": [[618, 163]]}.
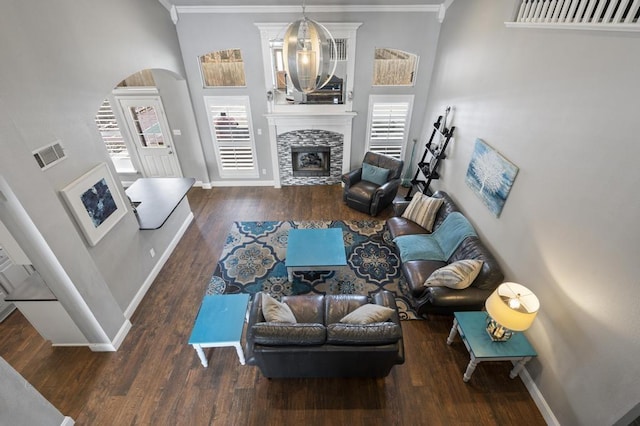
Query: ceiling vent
{"points": [[49, 155]]}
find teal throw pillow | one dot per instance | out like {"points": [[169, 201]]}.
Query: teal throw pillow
{"points": [[374, 174], [418, 247]]}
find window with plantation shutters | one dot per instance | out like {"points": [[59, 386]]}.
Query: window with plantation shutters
{"points": [[388, 124], [112, 137], [231, 130]]}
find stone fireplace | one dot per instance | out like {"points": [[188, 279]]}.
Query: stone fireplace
{"points": [[310, 157], [310, 149]]}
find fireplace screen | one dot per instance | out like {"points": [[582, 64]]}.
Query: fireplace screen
{"points": [[310, 160]]}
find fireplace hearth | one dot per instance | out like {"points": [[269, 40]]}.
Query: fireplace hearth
{"points": [[310, 160]]}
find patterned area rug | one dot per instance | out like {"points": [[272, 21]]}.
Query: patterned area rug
{"points": [[253, 260]]}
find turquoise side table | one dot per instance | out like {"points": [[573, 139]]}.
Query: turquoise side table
{"points": [[219, 323], [471, 326]]}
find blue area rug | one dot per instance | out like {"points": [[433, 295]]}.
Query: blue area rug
{"points": [[253, 260]]}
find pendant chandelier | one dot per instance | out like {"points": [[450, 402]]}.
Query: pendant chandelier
{"points": [[310, 54]]}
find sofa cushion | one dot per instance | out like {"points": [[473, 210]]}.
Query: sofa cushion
{"points": [[282, 334], [423, 210], [307, 308], [452, 232], [374, 174], [368, 314], [367, 334], [418, 247], [274, 311], [458, 275], [337, 306]]}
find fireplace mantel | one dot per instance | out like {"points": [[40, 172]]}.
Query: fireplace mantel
{"points": [[283, 122]]}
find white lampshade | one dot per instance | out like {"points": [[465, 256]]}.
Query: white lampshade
{"points": [[513, 306], [307, 51]]}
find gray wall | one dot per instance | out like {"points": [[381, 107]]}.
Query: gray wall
{"points": [[203, 33], [60, 61], [21, 403], [563, 107]]}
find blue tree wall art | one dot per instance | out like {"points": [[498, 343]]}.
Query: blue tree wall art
{"points": [[490, 176]]}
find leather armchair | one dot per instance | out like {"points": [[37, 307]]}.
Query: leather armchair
{"points": [[369, 197]]}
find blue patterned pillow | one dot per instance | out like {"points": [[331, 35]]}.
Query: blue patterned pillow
{"points": [[374, 174]]}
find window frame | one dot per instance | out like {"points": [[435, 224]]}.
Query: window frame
{"points": [[227, 102], [389, 99], [123, 161]]}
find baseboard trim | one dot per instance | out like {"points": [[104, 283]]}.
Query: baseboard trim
{"points": [[156, 269], [537, 397], [202, 185], [67, 421], [242, 183], [115, 343]]}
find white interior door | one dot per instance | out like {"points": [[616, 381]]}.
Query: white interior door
{"points": [[149, 130]]}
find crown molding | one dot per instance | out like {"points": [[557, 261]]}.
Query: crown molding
{"points": [[309, 9]]}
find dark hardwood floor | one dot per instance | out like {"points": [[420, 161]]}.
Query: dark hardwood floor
{"points": [[157, 379]]}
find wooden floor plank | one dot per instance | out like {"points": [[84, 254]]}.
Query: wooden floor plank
{"points": [[156, 378]]}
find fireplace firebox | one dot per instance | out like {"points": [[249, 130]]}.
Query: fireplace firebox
{"points": [[310, 160]]}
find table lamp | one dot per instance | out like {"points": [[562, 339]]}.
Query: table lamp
{"points": [[511, 307]]}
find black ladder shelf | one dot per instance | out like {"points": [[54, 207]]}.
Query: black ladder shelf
{"points": [[433, 154]]}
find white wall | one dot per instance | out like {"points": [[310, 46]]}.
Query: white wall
{"points": [[206, 32], [22, 404], [59, 61], [563, 107]]}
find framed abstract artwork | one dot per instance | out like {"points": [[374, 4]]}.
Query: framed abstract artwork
{"points": [[95, 202], [490, 176]]}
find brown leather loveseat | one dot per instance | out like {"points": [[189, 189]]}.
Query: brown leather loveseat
{"points": [[444, 300], [318, 344]]}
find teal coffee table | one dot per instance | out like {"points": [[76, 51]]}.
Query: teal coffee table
{"points": [[315, 250], [219, 323], [471, 326]]}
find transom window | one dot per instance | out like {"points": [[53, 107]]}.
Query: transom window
{"points": [[393, 67], [223, 68]]}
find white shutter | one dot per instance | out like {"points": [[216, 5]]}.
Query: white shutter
{"points": [[231, 131], [389, 118], [110, 131]]}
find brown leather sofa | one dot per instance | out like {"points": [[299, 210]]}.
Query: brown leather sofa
{"points": [[318, 345], [444, 300], [369, 197]]}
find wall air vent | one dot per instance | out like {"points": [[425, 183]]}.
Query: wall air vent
{"points": [[49, 155]]}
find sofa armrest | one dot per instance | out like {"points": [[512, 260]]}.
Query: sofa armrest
{"points": [[384, 195], [386, 298], [399, 206], [471, 297], [352, 177], [255, 316]]}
